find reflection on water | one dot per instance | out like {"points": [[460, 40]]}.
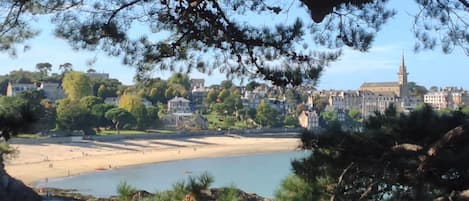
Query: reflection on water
{"points": [[258, 173]]}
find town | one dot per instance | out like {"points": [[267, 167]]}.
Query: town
{"points": [[182, 102]]}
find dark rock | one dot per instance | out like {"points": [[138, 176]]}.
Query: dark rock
{"points": [[12, 189]]}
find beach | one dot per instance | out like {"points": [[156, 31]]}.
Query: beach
{"points": [[42, 161]]}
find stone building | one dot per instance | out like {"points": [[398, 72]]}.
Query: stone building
{"points": [[399, 88], [309, 120]]}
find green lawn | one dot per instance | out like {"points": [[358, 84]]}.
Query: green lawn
{"points": [[122, 132], [216, 121]]}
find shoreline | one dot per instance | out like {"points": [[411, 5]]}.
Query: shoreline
{"points": [[42, 161]]}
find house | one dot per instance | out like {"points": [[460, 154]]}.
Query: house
{"points": [[112, 100], [197, 83], [179, 105], [52, 91], [185, 121], [309, 120], [14, 89]]}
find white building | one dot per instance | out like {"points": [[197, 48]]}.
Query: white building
{"points": [[179, 105], [14, 89], [438, 100]]}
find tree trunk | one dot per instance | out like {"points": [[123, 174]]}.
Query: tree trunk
{"points": [[117, 128]]}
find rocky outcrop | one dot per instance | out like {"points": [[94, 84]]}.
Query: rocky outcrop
{"points": [[12, 189]]}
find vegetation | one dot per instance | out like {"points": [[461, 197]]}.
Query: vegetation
{"points": [[125, 191], [209, 35], [416, 156], [77, 85], [120, 117]]}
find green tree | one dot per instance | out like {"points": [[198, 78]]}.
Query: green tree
{"points": [[413, 155], [16, 114], [291, 120], [329, 116], [416, 90], [294, 188], [90, 101], [226, 84], [44, 69], [77, 85], [153, 118], [223, 95], [23, 76], [66, 67], [252, 85], [119, 118], [99, 112], [180, 79], [157, 92], [134, 104], [211, 98], [205, 34], [266, 116], [105, 87], [434, 89], [174, 90], [354, 114], [73, 116]]}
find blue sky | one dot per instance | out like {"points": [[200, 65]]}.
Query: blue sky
{"points": [[380, 63]]}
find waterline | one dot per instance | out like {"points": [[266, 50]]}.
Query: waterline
{"points": [[257, 173]]}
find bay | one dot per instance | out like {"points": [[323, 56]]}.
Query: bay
{"points": [[256, 173]]}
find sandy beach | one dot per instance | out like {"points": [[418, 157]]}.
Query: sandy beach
{"points": [[38, 161]]}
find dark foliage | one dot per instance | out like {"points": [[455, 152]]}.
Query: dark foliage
{"points": [[419, 156], [16, 114]]}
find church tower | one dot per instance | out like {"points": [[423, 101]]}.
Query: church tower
{"points": [[402, 75]]}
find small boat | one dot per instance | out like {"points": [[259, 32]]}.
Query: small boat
{"points": [[101, 169]]}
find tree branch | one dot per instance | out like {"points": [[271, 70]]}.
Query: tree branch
{"points": [[114, 13], [341, 178]]}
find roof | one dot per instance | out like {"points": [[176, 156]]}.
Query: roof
{"points": [[178, 99], [387, 94], [380, 84]]}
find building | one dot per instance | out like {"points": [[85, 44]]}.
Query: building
{"points": [[98, 75], [309, 120], [52, 91], [197, 83], [399, 88], [112, 100], [14, 89], [179, 105]]}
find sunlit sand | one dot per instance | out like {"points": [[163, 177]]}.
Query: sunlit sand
{"points": [[42, 161]]}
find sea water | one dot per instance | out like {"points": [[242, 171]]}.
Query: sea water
{"points": [[256, 173]]}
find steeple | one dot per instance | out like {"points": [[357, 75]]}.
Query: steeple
{"points": [[402, 68], [402, 76]]}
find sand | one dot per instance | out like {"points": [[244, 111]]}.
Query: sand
{"points": [[36, 162]]}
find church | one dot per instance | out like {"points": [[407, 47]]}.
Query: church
{"points": [[396, 89]]}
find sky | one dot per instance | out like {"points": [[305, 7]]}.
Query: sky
{"points": [[380, 63]]}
